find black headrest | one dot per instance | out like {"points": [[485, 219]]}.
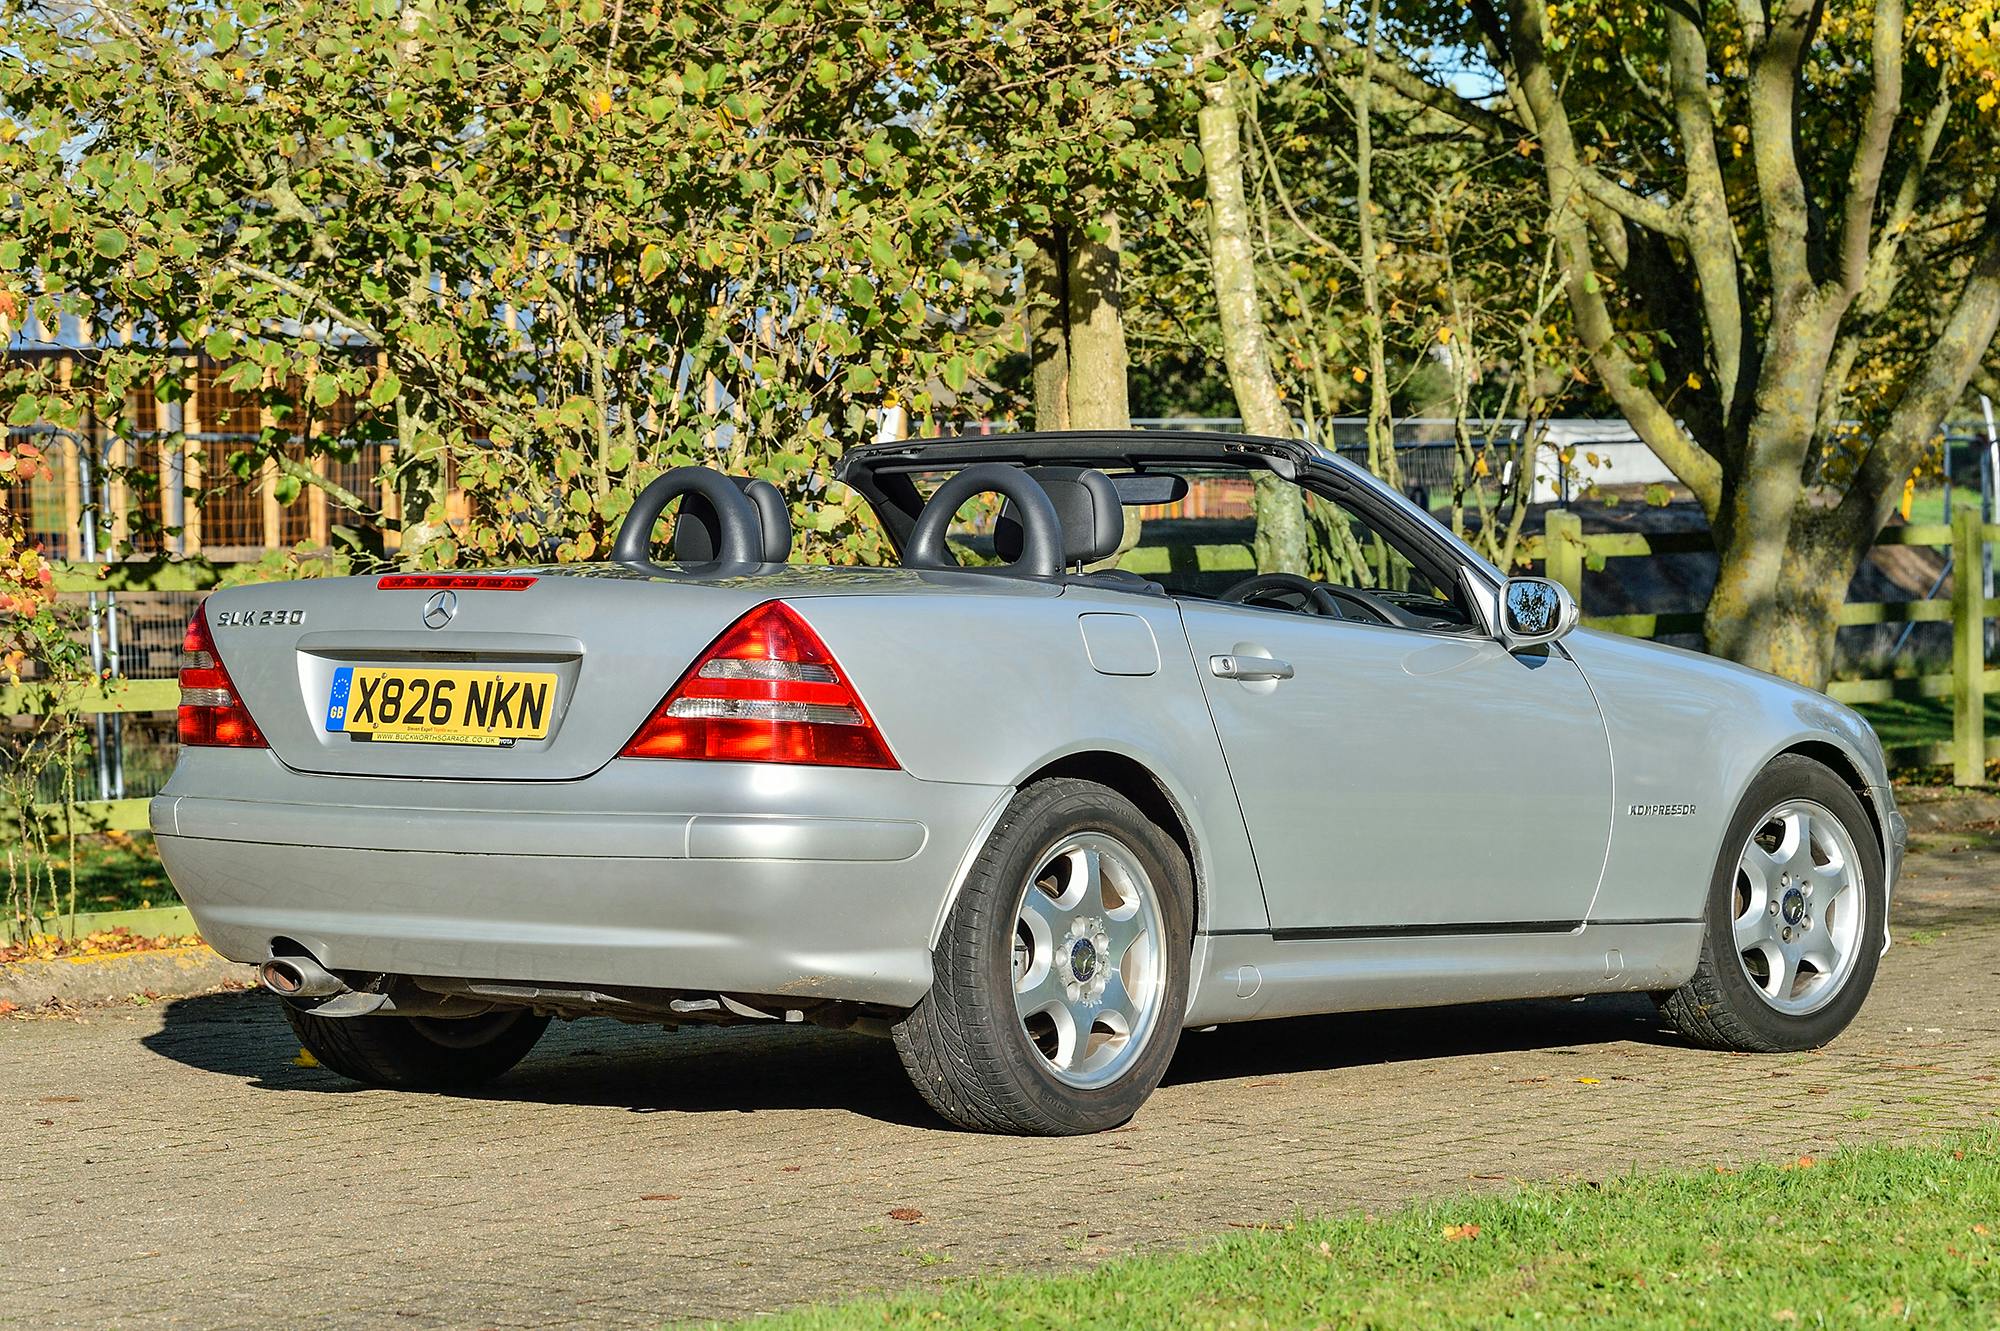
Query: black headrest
{"points": [[1093, 521], [698, 532]]}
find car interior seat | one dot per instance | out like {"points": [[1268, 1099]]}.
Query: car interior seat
{"points": [[1093, 523]]}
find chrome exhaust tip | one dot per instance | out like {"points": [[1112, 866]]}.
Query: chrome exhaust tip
{"points": [[299, 977]]}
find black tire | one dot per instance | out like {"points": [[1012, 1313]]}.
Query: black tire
{"points": [[1719, 1007], [419, 1053], [964, 1046]]}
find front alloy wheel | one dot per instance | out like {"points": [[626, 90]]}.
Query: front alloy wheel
{"points": [[1800, 904], [1795, 917]]}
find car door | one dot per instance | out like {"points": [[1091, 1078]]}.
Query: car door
{"points": [[1402, 779]]}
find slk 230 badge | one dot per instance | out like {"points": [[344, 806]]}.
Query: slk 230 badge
{"points": [[233, 618]]}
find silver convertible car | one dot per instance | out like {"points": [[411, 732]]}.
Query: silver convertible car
{"points": [[1070, 780]]}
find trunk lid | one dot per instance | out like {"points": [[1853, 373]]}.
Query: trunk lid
{"points": [[609, 641]]}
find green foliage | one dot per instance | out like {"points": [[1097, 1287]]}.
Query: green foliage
{"points": [[582, 243]]}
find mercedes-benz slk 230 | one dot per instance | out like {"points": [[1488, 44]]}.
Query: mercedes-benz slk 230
{"points": [[1069, 780]]}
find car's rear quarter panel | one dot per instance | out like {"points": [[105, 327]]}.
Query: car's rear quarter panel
{"points": [[992, 691]]}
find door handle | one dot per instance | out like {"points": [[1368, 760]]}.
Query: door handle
{"points": [[1249, 667]]}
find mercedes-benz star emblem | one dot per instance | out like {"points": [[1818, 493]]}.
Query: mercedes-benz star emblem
{"points": [[439, 609]]}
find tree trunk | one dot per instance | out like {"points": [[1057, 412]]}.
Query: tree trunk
{"points": [[1280, 542], [1381, 430], [1046, 274], [1076, 329], [1786, 623], [1098, 399]]}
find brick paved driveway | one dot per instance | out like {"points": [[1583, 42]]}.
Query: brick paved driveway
{"points": [[171, 1166]]}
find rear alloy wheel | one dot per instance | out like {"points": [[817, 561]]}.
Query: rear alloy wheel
{"points": [[1795, 917], [1061, 976], [419, 1053]]}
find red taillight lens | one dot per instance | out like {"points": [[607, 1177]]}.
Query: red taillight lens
{"points": [[766, 691], [211, 713]]}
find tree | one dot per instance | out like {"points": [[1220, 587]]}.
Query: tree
{"points": [[1362, 255], [1780, 236], [582, 242], [1280, 542]]}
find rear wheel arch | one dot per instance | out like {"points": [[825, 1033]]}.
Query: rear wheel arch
{"points": [[1136, 782]]}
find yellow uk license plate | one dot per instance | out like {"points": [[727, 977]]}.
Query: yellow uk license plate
{"points": [[402, 705]]}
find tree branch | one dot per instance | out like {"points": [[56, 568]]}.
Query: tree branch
{"points": [[1623, 380], [1710, 234], [1940, 379], [1879, 282], [1492, 126], [340, 494], [1776, 55], [1878, 131]]}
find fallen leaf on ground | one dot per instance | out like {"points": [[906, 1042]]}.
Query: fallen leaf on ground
{"points": [[909, 1215], [659, 1196], [1803, 1162], [1588, 1081], [1453, 1233], [305, 1059], [5, 1007], [105, 942]]}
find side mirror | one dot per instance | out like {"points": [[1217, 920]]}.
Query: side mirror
{"points": [[1534, 611]]}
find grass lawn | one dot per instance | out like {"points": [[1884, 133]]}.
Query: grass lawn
{"points": [[1920, 720], [1927, 505], [1908, 1236], [114, 871]]}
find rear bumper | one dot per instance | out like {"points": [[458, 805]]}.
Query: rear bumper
{"points": [[716, 877]]}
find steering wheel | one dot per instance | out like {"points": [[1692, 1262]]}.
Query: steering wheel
{"points": [[1041, 530], [1324, 598], [1266, 588]]}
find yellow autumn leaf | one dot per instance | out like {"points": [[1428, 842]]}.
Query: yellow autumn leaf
{"points": [[1694, 381], [305, 1059]]}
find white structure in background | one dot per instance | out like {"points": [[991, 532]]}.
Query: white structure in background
{"points": [[1600, 452]]}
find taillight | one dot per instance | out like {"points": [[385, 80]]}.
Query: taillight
{"points": [[766, 691], [211, 713]]}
